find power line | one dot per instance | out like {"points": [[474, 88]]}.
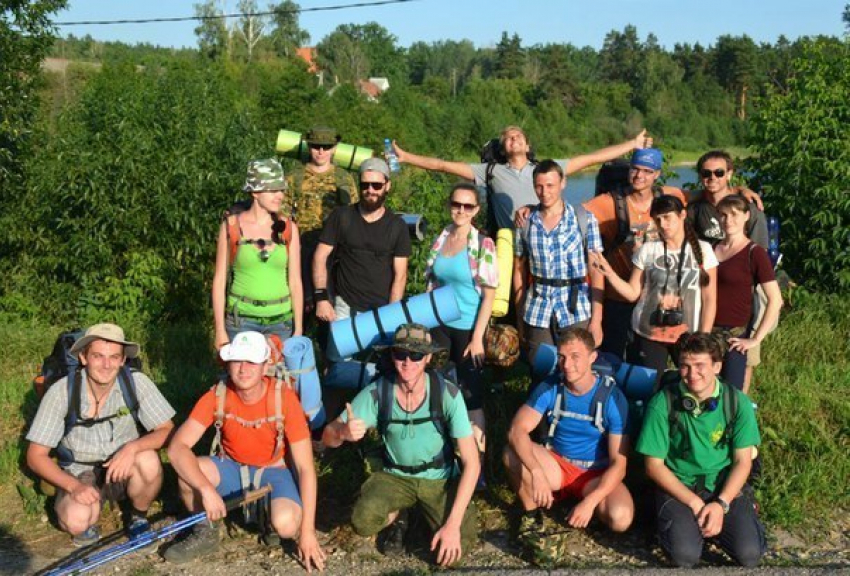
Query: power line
{"points": [[233, 14]]}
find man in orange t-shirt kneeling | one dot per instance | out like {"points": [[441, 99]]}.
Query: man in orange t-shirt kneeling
{"points": [[255, 417]]}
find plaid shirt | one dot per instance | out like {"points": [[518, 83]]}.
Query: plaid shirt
{"points": [[557, 255], [100, 441]]}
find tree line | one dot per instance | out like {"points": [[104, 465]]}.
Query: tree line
{"points": [[111, 180]]}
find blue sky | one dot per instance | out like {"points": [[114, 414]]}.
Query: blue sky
{"points": [[482, 21]]}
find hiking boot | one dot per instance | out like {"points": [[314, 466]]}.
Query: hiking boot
{"points": [[391, 539], [87, 538], [202, 540]]}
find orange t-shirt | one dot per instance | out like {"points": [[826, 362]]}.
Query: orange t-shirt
{"points": [[642, 229], [254, 446]]}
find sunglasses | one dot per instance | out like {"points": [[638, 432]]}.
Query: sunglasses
{"points": [[718, 173], [262, 244], [400, 355], [321, 146], [372, 185], [462, 206]]}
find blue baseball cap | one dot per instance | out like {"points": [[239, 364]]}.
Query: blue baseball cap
{"points": [[648, 158]]}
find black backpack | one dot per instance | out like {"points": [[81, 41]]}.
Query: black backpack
{"points": [[62, 363], [386, 396], [670, 387], [613, 179]]}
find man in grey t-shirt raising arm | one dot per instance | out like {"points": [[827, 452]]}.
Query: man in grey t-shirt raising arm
{"points": [[511, 182]]}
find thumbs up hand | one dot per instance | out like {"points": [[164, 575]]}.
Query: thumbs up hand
{"points": [[354, 428]]}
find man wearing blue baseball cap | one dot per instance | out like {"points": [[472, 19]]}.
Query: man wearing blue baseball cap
{"points": [[624, 224]]}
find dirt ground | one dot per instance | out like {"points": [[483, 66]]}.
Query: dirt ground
{"points": [[29, 543]]}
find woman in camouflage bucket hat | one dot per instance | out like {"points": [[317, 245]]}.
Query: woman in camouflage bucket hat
{"points": [[465, 259], [257, 281]]}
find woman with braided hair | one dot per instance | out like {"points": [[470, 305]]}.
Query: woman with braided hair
{"points": [[674, 282], [257, 281]]}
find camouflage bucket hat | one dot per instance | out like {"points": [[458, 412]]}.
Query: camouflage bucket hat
{"points": [[323, 135], [264, 176], [412, 337]]}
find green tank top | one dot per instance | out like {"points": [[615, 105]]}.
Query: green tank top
{"points": [[260, 281]]}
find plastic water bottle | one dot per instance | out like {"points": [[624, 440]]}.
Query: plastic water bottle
{"points": [[392, 159], [773, 240]]}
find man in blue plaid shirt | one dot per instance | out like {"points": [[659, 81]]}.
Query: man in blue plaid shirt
{"points": [[550, 269]]}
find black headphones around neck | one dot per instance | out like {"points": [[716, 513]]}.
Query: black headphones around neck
{"points": [[690, 404]]}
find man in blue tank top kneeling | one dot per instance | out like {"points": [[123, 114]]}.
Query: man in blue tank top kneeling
{"points": [[584, 456]]}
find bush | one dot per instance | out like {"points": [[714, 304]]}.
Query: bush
{"points": [[802, 137]]}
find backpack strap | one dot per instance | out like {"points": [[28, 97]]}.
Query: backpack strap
{"points": [[75, 393], [595, 415], [385, 404], [234, 233], [730, 414], [621, 213], [492, 225], [131, 399], [220, 390]]}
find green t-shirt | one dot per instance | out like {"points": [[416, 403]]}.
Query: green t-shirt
{"points": [[412, 445], [708, 456]]}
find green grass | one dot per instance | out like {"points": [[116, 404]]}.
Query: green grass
{"points": [[802, 391]]}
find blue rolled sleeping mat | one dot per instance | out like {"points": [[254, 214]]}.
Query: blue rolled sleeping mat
{"points": [[636, 382], [431, 309], [350, 374], [301, 363]]}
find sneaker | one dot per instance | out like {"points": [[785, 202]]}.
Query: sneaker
{"points": [[391, 539], [203, 539], [87, 538], [135, 526]]}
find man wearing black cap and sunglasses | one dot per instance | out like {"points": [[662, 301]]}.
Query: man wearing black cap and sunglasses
{"points": [[421, 417], [316, 188]]}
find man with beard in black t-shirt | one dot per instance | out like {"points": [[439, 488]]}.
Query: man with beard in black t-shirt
{"points": [[371, 247]]}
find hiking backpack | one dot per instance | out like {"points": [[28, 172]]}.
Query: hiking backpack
{"points": [[613, 179], [386, 398], [597, 408], [61, 364]]}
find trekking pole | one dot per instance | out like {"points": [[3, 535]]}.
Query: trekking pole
{"points": [[147, 538]]}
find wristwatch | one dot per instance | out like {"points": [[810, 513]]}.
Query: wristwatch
{"points": [[723, 504]]}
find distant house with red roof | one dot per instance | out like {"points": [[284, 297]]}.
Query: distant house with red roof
{"points": [[308, 54]]}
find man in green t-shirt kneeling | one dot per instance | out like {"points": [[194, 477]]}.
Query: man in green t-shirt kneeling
{"points": [[698, 438], [421, 417]]}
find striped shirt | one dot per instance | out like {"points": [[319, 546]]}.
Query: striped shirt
{"points": [[557, 255], [102, 440]]}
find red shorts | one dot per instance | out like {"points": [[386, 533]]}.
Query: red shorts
{"points": [[573, 478]]}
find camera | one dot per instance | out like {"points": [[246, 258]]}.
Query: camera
{"points": [[672, 317]]}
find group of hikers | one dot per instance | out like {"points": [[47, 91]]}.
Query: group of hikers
{"points": [[645, 274]]}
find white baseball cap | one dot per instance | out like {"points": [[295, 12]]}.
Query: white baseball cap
{"points": [[246, 346]]}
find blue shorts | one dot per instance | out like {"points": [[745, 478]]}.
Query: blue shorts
{"points": [[280, 479]]}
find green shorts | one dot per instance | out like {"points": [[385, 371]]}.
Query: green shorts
{"points": [[383, 493]]}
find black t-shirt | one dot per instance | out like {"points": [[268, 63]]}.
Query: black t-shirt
{"points": [[705, 218], [364, 253]]}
